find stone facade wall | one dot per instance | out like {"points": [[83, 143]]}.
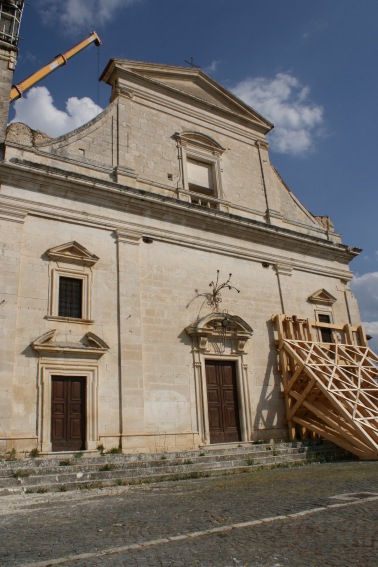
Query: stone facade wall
{"points": [[106, 189]]}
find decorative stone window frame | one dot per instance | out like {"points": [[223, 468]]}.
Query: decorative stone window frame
{"points": [[77, 361], [71, 260], [323, 301], [205, 336], [202, 148]]}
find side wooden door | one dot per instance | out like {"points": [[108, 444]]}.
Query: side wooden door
{"points": [[68, 413], [223, 405]]}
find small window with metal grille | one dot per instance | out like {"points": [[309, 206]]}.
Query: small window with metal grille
{"points": [[70, 295], [70, 302], [70, 283]]}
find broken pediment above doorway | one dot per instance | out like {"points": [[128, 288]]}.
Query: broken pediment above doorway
{"points": [[90, 346], [73, 253], [322, 296], [220, 327]]}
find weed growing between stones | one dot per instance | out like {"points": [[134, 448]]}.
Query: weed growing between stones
{"points": [[65, 463], [114, 451], [20, 474], [101, 449], [106, 468], [11, 455], [34, 453]]}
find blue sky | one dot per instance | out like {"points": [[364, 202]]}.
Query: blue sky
{"points": [[309, 67]]}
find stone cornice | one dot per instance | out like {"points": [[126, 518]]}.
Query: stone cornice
{"points": [[120, 73], [137, 201], [215, 116], [12, 214], [120, 171]]}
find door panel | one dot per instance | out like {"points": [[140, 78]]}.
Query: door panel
{"points": [[222, 397], [68, 414]]}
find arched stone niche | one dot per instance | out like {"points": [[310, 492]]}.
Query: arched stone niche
{"points": [[223, 337]]}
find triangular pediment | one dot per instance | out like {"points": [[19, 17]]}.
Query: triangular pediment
{"points": [[72, 252], [190, 82], [322, 296]]}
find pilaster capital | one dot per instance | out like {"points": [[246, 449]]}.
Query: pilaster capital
{"points": [[128, 237], [284, 269]]}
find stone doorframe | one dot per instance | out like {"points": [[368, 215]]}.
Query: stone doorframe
{"points": [[221, 336], [81, 360], [68, 369]]}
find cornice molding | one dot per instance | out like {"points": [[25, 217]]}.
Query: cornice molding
{"points": [[12, 214], [149, 77], [136, 201], [224, 121]]}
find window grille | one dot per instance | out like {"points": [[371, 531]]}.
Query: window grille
{"points": [[70, 297]]}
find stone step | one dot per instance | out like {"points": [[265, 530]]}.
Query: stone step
{"points": [[43, 475], [76, 465], [117, 478], [119, 472], [217, 451]]}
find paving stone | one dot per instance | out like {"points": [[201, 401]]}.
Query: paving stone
{"points": [[37, 529]]}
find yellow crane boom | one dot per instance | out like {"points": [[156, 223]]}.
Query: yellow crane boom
{"points": [[58, 61]]}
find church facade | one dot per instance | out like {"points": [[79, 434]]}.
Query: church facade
{"points": [[143, 257]]}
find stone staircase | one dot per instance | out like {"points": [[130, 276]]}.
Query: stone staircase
{"points": [[61, 472]]}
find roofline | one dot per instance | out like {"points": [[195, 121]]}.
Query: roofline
{"points": [[112, 64]]}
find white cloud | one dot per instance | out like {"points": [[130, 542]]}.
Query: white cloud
{"points": [[38, 111], [372, 330], [212, 67], [286, 102], [365, 288], [80, 14]]}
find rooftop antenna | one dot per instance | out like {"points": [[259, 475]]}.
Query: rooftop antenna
{"points": [[192, 64]]}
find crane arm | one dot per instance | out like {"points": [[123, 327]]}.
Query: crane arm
{"points": [[58, 61]]}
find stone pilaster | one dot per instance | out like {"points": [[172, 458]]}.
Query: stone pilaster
{"points": [[11, 228], [130, 335]]}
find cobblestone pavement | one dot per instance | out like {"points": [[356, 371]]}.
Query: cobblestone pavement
{"points": [[317, 515]]}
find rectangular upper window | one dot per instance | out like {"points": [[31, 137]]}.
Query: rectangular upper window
{"points": [[70, 300], [325, 332], [200, 176]]}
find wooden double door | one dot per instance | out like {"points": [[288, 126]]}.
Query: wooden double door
{"points": [[68, 413], [223, 403]]}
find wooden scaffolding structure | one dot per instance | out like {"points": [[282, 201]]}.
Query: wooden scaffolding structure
{"points": [[330, 389]]}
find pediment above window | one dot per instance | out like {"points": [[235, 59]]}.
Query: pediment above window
{"points": [[73, 253], [90, 346], [322, 296], [200, 141]]}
